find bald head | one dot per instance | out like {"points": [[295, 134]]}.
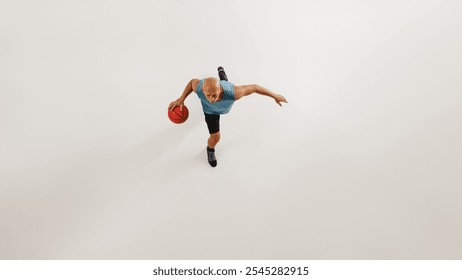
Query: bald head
{"points": [[212, 89], [211, 84]]}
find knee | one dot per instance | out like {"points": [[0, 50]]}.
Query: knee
{"points": [[215, 137]]}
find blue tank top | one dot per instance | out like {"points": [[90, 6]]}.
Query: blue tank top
{"points": [[220, 107]]}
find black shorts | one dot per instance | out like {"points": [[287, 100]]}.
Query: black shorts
{"points": [[213, 123]]}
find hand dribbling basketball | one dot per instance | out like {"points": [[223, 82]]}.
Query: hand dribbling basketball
{"points": [[178, 112]]}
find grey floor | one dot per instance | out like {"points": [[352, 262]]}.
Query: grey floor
{"points": [[364, 162]]}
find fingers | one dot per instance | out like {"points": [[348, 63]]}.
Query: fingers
{"points": [[281, 99], [175, 104], [172, 106]]}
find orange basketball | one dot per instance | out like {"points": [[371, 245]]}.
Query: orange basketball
{"points": [[178, 116]]}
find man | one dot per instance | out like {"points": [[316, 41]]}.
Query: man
{"points": [[217, 98]]}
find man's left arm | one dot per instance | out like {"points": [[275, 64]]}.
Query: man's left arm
{"points": [[241, 91]]}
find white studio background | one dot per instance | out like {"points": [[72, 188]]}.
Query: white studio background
{"points": [[364, 162]]}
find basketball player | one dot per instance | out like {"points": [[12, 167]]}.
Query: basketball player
{"points": [[217, 98]]}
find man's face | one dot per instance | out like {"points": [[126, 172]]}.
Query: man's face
{"points": [[212, 95]]}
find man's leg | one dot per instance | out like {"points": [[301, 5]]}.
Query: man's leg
{"points": [[213, 124], [213, 140]]}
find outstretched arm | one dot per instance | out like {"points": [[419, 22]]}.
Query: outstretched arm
{"points": [[241, 91], [190, 87]]}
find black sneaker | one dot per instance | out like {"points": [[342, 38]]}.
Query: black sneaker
{"points": [[222, 74], [211, 157]]}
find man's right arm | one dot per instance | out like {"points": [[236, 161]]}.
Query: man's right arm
{"points": [[190, 87]]}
